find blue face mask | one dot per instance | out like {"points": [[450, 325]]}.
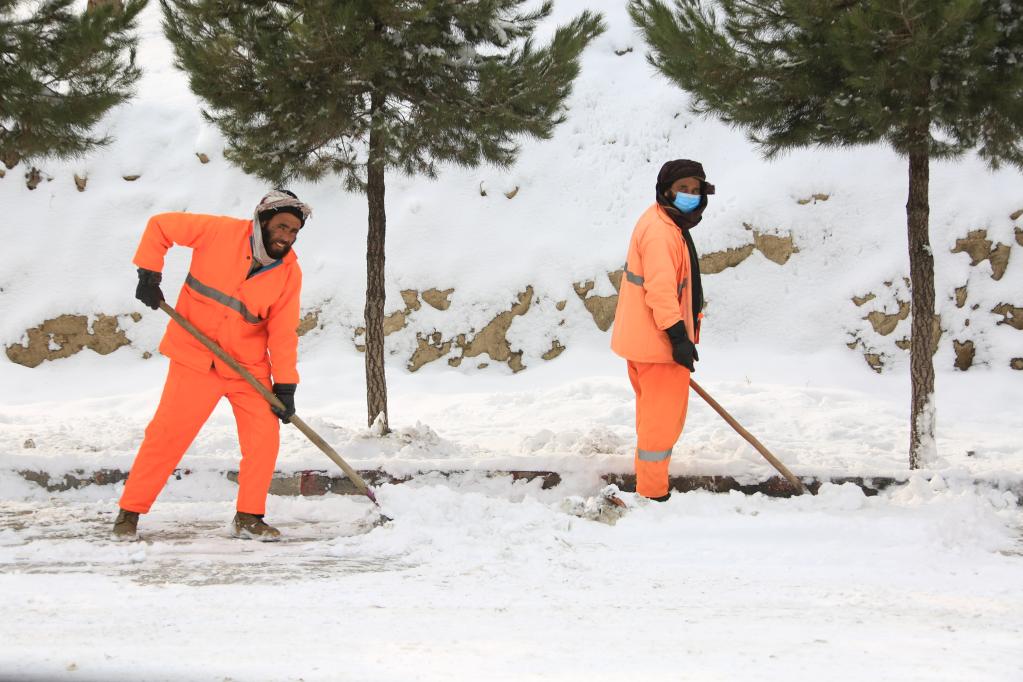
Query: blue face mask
{"points": [[686, 203]]}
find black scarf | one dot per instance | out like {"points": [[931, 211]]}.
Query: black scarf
{"points": [[685, 222]]}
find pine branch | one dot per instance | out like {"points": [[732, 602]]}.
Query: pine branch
{"points": [[458, 81], [62, 72]]}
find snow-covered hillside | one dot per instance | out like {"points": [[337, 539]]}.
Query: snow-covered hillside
{"points": [[576, 199]]}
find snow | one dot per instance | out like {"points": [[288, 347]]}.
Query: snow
{"points": [[482, 577], [572, 415], [487, 579]]}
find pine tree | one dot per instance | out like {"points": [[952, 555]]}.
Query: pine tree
{"points": [[60, 72], [932, 79], [310, 88]]}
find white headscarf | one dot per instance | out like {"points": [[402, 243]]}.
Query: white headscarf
{"points": [[276, 199]]}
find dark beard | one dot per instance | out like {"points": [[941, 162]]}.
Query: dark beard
{"points": [[271, 250]]}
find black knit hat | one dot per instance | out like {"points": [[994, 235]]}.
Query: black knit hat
{"points": [[677, 169], [265, 216]]}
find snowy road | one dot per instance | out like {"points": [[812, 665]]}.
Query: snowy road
{"points": [[486, 579]]}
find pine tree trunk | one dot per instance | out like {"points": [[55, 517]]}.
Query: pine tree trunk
{"points": [[93, 4], [376, 381], [922, 343]]}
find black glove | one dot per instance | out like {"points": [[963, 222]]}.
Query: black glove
{"points": [[682, 349], [286, 394], [148, 290]]}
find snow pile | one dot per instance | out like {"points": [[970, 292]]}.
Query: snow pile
{"points": [[575, 417], [981, 517], [607, 506]]}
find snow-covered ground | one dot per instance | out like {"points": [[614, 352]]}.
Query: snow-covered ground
{"points": [[488, 579], [483, 578], [822, 415]]}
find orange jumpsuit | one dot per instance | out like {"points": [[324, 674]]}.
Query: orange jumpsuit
{"points": [[655, 295], [254, 318]]}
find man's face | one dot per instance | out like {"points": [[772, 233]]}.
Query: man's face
{"points": [[279, 233], [690, 185]]}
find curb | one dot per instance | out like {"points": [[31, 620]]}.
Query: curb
{"points": [[315, 482]]}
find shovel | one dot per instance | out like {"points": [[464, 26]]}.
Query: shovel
{"points": [[775, 462], [352, 474]]}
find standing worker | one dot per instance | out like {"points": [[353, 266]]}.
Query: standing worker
{"points": [[242, 291], [657, 321]]}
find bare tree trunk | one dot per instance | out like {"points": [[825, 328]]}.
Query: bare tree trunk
{"points": [[376, 381], [922, 343]]}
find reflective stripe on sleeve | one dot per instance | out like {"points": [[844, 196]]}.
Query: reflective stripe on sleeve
{"points": [[639, 281], [653, 455], [222, 298], [633, 277]]}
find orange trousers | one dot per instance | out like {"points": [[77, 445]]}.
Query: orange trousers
{"points": [[662, 398], [188, 400]]}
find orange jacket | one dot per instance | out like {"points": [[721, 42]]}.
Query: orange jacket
{"points": [[247, 316], [654, 292]]}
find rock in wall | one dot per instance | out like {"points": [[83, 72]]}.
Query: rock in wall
{"points": [[65, 335], [492, 339], [975, 323], [979, 248], [891, 308], [966, 329]]}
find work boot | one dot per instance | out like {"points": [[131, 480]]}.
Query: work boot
{"points": [[252, 527], [126, 527]]}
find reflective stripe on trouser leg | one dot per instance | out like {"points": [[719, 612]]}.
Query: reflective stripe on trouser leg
{"points": [[189, 397], [653, 455], [259, 435], [662, 398]]}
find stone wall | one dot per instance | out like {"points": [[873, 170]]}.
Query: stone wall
{"points": [[968, 316], [878, 330]]}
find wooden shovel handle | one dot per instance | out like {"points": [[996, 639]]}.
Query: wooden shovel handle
{"points": [[272, 399], [775, 462]]}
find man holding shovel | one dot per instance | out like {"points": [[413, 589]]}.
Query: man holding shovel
{"points": [[242, 291], [657, 321]]}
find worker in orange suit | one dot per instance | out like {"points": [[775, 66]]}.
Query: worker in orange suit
{"points": [[657, 321], [242, 291]]}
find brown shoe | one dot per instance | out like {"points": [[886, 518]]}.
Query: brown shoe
{"points": [[126, 527], [252, 527]]}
